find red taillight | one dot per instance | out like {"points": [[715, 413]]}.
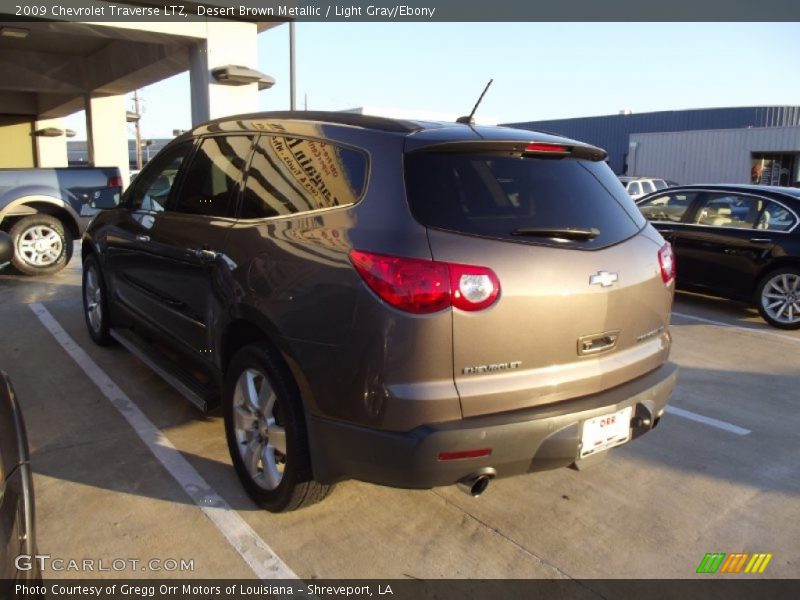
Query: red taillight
{"points": [[115, 182], [542, 147], [410, 284], [458, 455], [666, 260], [426, 286]]}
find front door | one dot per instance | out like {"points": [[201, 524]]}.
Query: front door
{"points": [[174, 270]]}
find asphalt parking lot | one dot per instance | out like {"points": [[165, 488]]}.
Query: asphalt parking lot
{"points": [[127, 469]]}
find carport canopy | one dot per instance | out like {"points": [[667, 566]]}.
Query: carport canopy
{"points": [[51, 69]]}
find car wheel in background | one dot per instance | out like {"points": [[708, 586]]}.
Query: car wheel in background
{"points": [[778, 298], [95, 302], [265, 428], [41, 245]]}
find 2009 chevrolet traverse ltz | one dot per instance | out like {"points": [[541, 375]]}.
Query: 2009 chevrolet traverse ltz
{"points": [[407, 303]]}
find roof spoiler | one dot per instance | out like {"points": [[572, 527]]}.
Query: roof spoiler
{"points": [[533, 148]]}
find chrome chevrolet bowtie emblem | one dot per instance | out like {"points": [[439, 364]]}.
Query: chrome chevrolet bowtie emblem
{"points": [[603, 278]]}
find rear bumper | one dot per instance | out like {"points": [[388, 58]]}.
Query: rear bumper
{"points": [[521, 441]]}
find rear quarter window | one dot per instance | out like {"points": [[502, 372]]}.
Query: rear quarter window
{"points": [[293, 175], [492, 195]]}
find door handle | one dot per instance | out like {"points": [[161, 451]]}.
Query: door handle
{"points": [[204, 255], [761, 240], [142, 238]]}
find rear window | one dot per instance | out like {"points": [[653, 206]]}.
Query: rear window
{"points": [[492, 195]]}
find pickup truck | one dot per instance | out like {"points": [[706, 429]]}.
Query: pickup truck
{"points": [[44, 210]]}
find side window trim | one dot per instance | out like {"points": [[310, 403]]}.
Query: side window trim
{"points": [[177, 188], [178, 184], [689, 215], [134, 189], [767, 202], [246, 174]]}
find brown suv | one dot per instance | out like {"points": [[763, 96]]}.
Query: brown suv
{"points": [[411, 304]]}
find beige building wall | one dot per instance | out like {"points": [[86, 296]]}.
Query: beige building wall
{"points": [[16, 142], [51, 152], [107, 133]]}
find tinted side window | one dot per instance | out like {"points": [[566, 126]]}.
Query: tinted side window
{"points": [[728, 210], [669, 207], [775, 217], [634, 189], [647, 187], [293, 175], [213, 176], [153, 185], [500, 196]]}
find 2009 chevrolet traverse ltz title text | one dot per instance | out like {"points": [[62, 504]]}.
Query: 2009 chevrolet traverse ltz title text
{"points": [[407, 303]]}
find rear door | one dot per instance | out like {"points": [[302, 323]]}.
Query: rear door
{"points": [[579, 311], [725, 243]]}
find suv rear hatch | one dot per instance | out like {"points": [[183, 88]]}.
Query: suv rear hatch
{"points": [[584, 302]]}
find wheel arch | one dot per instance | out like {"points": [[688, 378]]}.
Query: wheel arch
{"points": [[774, 265], [25, 206], [248, 326]]}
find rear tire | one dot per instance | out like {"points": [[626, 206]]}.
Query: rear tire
{"points": [[42, 245], [95, 302], [266, 432], [778, 298]]}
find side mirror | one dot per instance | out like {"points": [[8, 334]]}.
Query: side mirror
{"points": [[106, 198]]}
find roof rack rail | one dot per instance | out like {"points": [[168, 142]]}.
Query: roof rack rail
{"points": [[336, 117]]}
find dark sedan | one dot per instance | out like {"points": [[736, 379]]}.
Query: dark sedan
{"points": [[736, 241], [16, 492]]}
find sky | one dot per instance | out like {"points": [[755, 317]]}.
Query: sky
{"points": [[540, 70]]}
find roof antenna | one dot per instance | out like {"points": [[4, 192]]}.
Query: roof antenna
{"points": [[469, 120]]}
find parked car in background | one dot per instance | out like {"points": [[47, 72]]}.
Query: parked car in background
{"points": [[736, 241], [44, 210], [6, 249], [17, 531], [640, 186], [397, 302]]}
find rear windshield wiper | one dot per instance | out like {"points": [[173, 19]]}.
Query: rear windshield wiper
{"points": [[567, 233]]}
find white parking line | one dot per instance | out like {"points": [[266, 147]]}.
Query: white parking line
{"points": [[256, 553], [785, 338], [725, 426]]}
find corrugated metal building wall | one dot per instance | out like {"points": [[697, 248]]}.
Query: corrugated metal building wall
{"points": [[613, 132], [710, 156]]}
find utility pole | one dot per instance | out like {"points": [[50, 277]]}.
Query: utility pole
{"points": [[292, 74], [137, 109]]}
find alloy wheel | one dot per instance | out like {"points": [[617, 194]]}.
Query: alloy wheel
{"points": [[39, 246], [260, 438], [780, 298]]}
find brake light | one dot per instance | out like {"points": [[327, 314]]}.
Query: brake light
{"points": [[543, 147], [666, 260], [426, 286], [114, 182]]}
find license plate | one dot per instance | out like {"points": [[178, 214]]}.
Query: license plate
{"points": [[606, 431]]}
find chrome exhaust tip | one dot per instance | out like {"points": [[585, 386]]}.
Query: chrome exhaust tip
{"points": [[476, 483]]}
